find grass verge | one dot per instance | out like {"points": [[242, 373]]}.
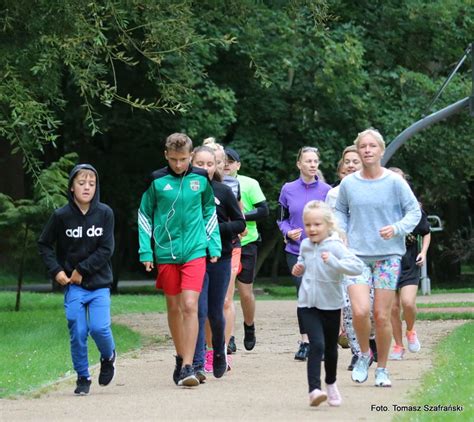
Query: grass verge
{"points": [[450, 382], [34, 347]]}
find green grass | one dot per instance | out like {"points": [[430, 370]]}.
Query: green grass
{"points": [[445, 305], [450, 382], [34, 346], [435, 316]]}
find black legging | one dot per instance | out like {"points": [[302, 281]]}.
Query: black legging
{"points": [[322, 328], [291, 260]]}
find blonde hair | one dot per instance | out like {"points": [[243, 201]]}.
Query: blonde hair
{"points": [[207, 148], [350, 148], [372, 132], [328, 216]]}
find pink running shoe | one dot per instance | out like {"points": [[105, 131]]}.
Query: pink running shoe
{"points": [[316, 397], [209, 361], [397, 353], [413, 342], [334, 397]]}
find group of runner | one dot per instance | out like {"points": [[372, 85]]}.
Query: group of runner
{"points": [[197, 224]]}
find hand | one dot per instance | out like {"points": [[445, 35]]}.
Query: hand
{"points": [[387, 232], [76, 277], [294, 234], [148, 266], [244, 233], [62, 278], [420, 259], [298, 270], [213, 259], [325, 256]]}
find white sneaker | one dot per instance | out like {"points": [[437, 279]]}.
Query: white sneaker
{"points": [[397, 353], [360, 372], [382, 378], [334, 397], [316, 397], [413, 342]]}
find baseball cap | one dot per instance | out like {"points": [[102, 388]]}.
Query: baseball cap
{"points": [[233, 154]]}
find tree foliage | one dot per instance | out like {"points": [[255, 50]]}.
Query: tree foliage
{"points": [[111, 79]]}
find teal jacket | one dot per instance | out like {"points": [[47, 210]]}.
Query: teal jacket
{"points": [[177, 219]]}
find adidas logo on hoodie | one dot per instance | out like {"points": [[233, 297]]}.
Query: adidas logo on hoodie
{"points": [[90, 232]]}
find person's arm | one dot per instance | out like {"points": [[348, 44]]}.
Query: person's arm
{"points": [[260, 212], [104, 250], [46, 243], [211, 223], [342, 208], [343, 261], [425, 244], [145, 227], [236, 223], [410, 208]]}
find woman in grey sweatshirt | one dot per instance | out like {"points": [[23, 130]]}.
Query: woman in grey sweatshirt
{"points": [[377, 209]]}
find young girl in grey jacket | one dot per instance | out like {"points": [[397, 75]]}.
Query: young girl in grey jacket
{"points": [[322, 262]]}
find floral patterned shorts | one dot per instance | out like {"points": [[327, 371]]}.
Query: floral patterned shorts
{"points": [[380, 274]]}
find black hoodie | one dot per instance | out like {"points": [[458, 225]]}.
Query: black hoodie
{"points": [[84, 242]]}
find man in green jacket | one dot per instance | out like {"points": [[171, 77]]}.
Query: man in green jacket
{"points": [[178, 228]]}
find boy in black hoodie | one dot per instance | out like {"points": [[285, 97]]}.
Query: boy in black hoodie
{"points": [[83, 232]]}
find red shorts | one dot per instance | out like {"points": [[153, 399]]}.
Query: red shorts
{"points": [[174, 278], [235, 262]]}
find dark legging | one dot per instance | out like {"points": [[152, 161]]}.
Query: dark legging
{"points": [[322, 328], [291, 260]]}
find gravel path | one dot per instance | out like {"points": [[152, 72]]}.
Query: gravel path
{"points": [[265, 384]]}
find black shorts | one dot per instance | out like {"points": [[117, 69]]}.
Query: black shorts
{"points": [[248, 260], [409, 272]]}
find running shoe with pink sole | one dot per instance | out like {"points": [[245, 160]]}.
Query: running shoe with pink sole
{"points": [[208, 364]]}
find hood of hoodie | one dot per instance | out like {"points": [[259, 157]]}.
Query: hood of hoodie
{"points": [[70, 194]]}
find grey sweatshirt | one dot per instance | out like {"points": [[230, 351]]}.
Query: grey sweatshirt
{"points": [[321, 284], [371, 205]]}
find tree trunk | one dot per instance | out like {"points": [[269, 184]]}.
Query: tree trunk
{"points": [[267, 248], [21, 270]]}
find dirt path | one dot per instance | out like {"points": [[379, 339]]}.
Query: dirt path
{"points": [[265, 384]]}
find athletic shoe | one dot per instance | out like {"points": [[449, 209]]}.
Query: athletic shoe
{"points": [[177, 368], [83, 385], [334, 397], [353, 362], [229, 363], [413, 343], [249, 338], [373, 348], [200, 375], [219, 364], [397, 353], [208, 364], [187, 377], [231, 347], [381, 378], [302, 352], [107, 370], [361, 369], [316, 397]]}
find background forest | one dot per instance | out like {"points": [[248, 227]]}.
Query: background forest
{"points": [[106, 81]]}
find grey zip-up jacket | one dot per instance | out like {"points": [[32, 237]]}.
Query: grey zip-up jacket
{"points": [[321, 285]]}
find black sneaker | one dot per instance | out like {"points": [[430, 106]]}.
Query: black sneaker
{"points": [[107, 370], [200, 375], [177, 368], [83, 385], [302, 352], [353, 362], [249, 338], [373, 347], [231, 347], [187, 377], [219, 364]]}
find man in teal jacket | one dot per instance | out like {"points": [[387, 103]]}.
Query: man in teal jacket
{"points": [[178, 228]]}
